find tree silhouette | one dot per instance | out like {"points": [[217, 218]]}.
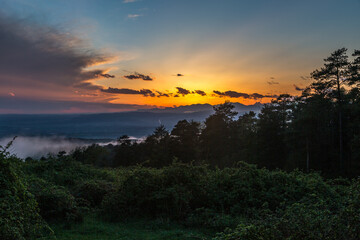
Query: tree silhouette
{"points": [[185, 140], [329, 79], [216, 136], [355, 69]]}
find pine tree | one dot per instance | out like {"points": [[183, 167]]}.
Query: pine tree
{"points": [[329, 80]]}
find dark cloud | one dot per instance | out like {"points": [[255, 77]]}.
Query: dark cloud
{"points": [[150, 93], [161, 94], [120, 91], [272, 82], [297, 88], [179, 75], [272, 78], [107, 75], [137, 75], [234, 94], [147, 93], [144, 92], [200, 92], [257, 95], [33, 55], [182, 91]]}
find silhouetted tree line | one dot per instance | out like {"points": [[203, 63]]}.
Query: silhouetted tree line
{"points": [[319, 130]]}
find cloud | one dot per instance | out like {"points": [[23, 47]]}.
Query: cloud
{"points": [[10, 104], [182, 91], [304, 77], [36, 56], [297, 88], [12, 94], [133, 16], [272, 78], [234, 94], [272, 82], [144, 92], [129, 1], [106, 75], [257, 96], [179, 75], [153, 93], [200, 92], [161, 94], [137, 75]]}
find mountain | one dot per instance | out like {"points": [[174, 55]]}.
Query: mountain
{"points": [[106, 126], [240, 108]]}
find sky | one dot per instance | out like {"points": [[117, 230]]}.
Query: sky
{"points": [[122, 55]]}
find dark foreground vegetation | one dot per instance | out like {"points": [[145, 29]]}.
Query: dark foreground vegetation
{"points": [[199, 182], [180, 201]]}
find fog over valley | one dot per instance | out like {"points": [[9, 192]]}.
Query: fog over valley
{"points": [[40, 134]]}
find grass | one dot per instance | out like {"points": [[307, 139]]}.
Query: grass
{"points": [[94, 229]]}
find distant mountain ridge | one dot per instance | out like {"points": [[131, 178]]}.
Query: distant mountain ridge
{"points": [[239, 107], [106, 125]]}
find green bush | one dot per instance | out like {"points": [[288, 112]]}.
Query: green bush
{"points": [[55, 202], [93, 191], [19, 216], [65, 171], [311, 218], [249, 202], [216, 198], [171, 192]]}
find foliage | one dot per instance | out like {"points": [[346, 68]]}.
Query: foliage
{"points": [[312, 218], [19, 216], [55, 202], [93, 191]]}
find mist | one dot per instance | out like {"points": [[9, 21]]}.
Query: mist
{"points": [[36, 147]]}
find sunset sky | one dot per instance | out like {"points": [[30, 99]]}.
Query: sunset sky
{"points": [[118, 55]]}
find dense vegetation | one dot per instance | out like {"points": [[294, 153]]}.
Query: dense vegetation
{"points": [[19, 216], [199, 181], [243, 202]]}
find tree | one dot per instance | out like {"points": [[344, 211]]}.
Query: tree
{"points": [[216, 137], [311, 134], [245, 139], [355, 69], [329, 79], [157, 147], [225, 111], [185, 140], [272, 129]]}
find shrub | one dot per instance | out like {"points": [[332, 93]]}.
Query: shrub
{"points": [[55, 202], [93, 191], [171, 192], [19, 217]]}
